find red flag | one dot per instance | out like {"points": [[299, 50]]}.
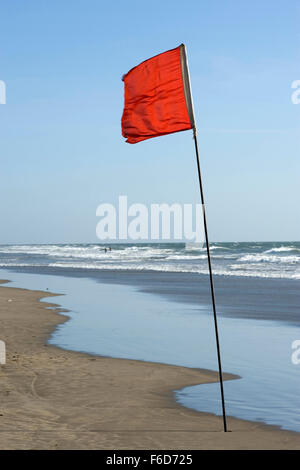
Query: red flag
{"points": [[157, 97]]}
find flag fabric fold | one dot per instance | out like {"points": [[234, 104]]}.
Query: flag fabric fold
{"points": [[157, 97]]}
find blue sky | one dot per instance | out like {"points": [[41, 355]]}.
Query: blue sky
{"points": [[61, 149]]}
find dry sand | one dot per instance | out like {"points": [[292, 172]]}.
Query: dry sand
{"points": [[56, 399]]}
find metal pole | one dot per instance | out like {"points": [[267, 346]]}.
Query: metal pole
{"points": [[211, 281]]}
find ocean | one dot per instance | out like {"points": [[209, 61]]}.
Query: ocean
{"points": [[152, 302], [265, 259]]}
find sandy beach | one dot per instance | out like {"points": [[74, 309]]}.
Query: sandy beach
{"points": [[57, 399]]}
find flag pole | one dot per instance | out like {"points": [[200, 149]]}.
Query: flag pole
{"points": [[211, 282], [190, 107]]}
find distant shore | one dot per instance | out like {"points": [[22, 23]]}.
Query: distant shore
{"points": [[57, 399]]}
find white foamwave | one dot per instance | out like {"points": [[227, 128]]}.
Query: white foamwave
{"points": [[282, 249], [263, 257], [235, 270], [279, 262], [185, 257]]}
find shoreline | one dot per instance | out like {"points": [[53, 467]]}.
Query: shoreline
{"points": [[53, 398], [170, 285]]}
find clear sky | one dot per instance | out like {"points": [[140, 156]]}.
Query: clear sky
{"points": [[61, 149]]}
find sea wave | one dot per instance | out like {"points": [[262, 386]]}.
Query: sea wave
{"points": [[267, 260], [282, 249], [270, 258], [185, 269]]}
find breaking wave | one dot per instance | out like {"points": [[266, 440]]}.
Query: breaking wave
{"points": [[264, 260]]}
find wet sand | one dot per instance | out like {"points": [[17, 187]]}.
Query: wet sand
{"points": [[56, 399]]}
